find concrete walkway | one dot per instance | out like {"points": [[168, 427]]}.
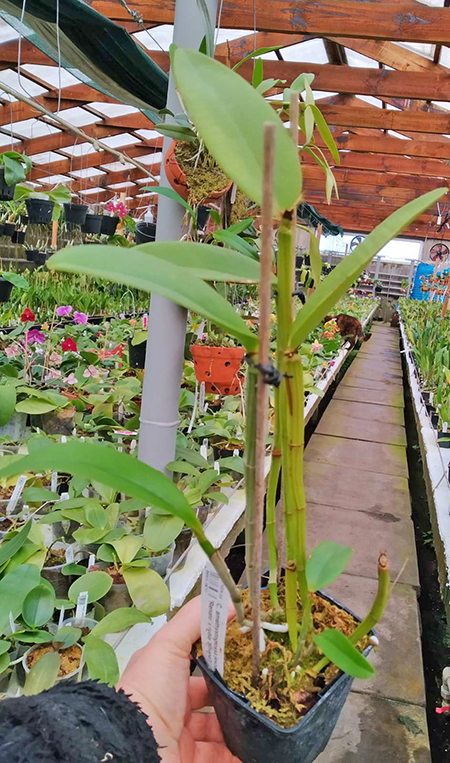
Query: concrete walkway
{"points": [[357, 492]]}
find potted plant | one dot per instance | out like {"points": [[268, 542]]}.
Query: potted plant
{"points": [[9, 279], [43, 208], [14, 168], [217, 362], [75, 214], [92, 223], [61, 660], [231, 123]]}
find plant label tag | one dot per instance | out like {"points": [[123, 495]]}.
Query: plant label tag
{"points": [[444, 429], [204, 448], [145, 321], [63, 439], [17, 492], [91, 561], [82, 604], [431, 398], [69, 555], [217, 467], [54, 482], [215, 600], [236, 452], [61, 618], [201, 402], [133, 444], [12, 624]]}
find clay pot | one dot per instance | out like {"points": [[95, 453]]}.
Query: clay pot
{"points": [[177, 178], [218, 367]]}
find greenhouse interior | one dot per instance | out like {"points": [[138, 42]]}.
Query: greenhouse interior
{"points": [[224, 471]]}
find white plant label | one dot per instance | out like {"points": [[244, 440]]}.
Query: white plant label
{"points": [[82, 604], [63, 439], [54, 482], [17, 492], [12, 624], [236, 452], [69, 555], [444, 426], [431, 398], [217, 467], [91, 561], [204, 448], [61, 617], [215, 601]]}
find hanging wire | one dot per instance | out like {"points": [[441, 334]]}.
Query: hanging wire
{"points": [[19, 53], [219, 21], [138, 18], [254, 25], [58, 43]]}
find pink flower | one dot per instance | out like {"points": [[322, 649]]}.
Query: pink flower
{"points": [[71, 379], [53, 374], [316, 346], [34, 336], [12, 351], [80, 317], [64, 310], [55, 358], [91, 372]]}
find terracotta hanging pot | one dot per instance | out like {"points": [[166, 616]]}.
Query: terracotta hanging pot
{"points": [[177, 177], [218, 367]]}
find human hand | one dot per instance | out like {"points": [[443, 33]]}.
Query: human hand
{"points": [[158, 679]]}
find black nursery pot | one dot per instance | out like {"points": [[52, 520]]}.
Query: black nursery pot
{"points": [[136, 354], [378, 289], [145, 232], [253, 738], [109, 225], [39, 258], [426, 398], [435, 420], [75, 214], [18, 237], [5, 290], [6, 191], [9, 229], [39, 210], [444, 439], [92, 224]]}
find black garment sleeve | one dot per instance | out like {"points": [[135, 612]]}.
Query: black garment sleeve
{"points": [[86, 722]]}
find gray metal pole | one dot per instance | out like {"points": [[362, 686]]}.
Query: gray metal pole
{"points": [[167, 321]]}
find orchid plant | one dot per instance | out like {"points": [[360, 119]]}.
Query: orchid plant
{"points": [[230, 117]]}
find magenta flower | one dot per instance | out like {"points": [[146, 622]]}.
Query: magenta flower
{"points": [[34, 336], [64, 310], [80, 317]]}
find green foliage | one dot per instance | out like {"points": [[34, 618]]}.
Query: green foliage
{"points": [[339, 650], [43, 674], [327, 561]]}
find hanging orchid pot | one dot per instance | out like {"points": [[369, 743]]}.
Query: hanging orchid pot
{"points": [[39, 210], [5, 290], [109, 225], [208, 177], [9, 229], [218, 367], [75, 214], [6, 191], [92, 224]]}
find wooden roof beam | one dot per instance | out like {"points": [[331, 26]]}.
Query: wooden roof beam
{"points": [[403, 21], [399, 121], [395, 146]]}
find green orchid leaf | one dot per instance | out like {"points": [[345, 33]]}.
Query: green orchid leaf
{"points": [[119, 470], [156, 275], [339, 650], [314, 255], [325, 133], [11, 547], [39, 495], [14, 587], [230, 117], [34, 406], [101, 660], [97, 585], [43, 674], [7, 403], [147, 590], [233, 241], [182, 467], [161, 531], [119, 620], [327, 561], [341, 278], [38, 606], [73, 569], [170, 193], [126, 548], [66, 636], [33, 637], [254, 54], [96, 516]]}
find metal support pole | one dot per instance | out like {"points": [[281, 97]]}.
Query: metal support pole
{"points": [[167, 321]]}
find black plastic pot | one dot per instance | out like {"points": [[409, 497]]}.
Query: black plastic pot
{"points": [[92, 224], [8, 229], [426, 398], [2, 227], [145, 232], [109, 225], [253, 738], [202, 216], [39, 258], [75, 214], [24, 219], [136, 354], [6, 191], [430, 409], [378, 288], [435, 420], [5, 290], [444, 439], [18, 237], [39, 210]]}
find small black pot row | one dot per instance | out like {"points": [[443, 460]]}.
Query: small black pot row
{"points": [[443, 438]]}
